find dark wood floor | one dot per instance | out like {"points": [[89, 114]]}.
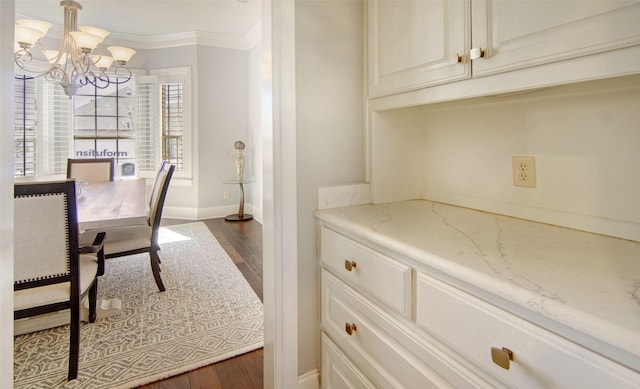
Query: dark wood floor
{"points": [[243, 242]]}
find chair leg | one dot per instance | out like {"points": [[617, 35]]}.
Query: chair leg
{"points": [[155, 268], [74, 343], [93, 298]]}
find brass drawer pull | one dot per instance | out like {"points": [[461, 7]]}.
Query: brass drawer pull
{"points": [[349, 265], [501, 357], [350, 328]]}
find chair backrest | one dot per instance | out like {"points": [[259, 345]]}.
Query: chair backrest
{"points": [[91, 169], [45, 235], [163, 166], [158, 194]]}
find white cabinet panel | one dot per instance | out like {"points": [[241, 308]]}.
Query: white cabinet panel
{"points": [[362, 331], [416, 43], [518, 34], [540, 358], [338, 372], [380, 277]]}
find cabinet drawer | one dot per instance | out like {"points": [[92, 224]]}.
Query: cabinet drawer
{"points": [[338, 372], [386, 350], [370, 272], [540, 358]]}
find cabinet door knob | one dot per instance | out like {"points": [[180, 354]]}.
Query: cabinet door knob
{"points": [[350, 328], [459, 58], [349, 265], [501, 357], [476, 53]]}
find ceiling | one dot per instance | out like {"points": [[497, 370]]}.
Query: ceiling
{"points": [[150, 18]]}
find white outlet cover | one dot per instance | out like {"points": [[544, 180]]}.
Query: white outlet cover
{"points": [[524, 172]]}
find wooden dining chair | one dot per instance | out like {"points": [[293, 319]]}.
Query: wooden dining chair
{"points": [[91, 169], [140, 238], [51, 272]]}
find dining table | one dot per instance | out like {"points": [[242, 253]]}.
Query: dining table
{"points": [[111, 203]]}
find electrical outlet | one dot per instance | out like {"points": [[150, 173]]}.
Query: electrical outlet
{"points": [[524, 172], [227, 195]]}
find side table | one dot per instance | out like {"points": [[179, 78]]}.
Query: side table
{"points": [[240, 216]]}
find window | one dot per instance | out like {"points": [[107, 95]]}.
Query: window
{"points": [[137, 122], [42, 117], [173, 86], [104, 125], [172, 123], [25, 122]]}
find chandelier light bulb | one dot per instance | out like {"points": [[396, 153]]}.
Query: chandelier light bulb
{"points": [[35, 24], [26, 37], [102, 62], [99, 32], [86, 42], [55, 57], [122, 55]]}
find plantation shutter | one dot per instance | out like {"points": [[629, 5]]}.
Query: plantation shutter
{"points": [[25, 125], [172, 123], [147, 144], [55, 129], [42, 129]]}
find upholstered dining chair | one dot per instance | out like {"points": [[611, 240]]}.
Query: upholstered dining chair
{"points": [[91, 169], [51, 271], [140, 238]]}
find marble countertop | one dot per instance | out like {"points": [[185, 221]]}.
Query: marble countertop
{"points": [[587, 282]]}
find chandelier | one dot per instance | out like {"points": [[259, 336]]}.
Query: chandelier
{"points": [[78, 62]]}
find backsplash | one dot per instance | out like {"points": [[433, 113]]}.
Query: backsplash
{"points": [[585, 139]]}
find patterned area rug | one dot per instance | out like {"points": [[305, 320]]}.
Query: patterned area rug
{"points": [[208, 313]]}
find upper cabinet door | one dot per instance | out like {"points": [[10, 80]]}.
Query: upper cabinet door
{"points": [[519, 34], [417, 43]]}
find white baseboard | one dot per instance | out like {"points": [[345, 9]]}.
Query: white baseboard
{"points": [[208, 212], [309, 380]]}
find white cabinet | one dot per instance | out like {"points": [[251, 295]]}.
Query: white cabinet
{"points": [[518, 34], [445, 340], [540, 359], [338, 372], [366, 270], [417, 44]]}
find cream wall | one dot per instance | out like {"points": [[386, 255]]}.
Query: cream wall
{"points": [[330, 135], [585, 138]]}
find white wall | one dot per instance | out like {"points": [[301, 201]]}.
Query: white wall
{"points": [[220, 116], [330, 134], [255, 129], [6, 193], [584, 137], [223, 118]]}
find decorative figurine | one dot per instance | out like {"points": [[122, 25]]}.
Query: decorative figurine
{"points": [[239, 159]]}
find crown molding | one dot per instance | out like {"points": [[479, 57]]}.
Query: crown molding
{"points": [[189, 38]]}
